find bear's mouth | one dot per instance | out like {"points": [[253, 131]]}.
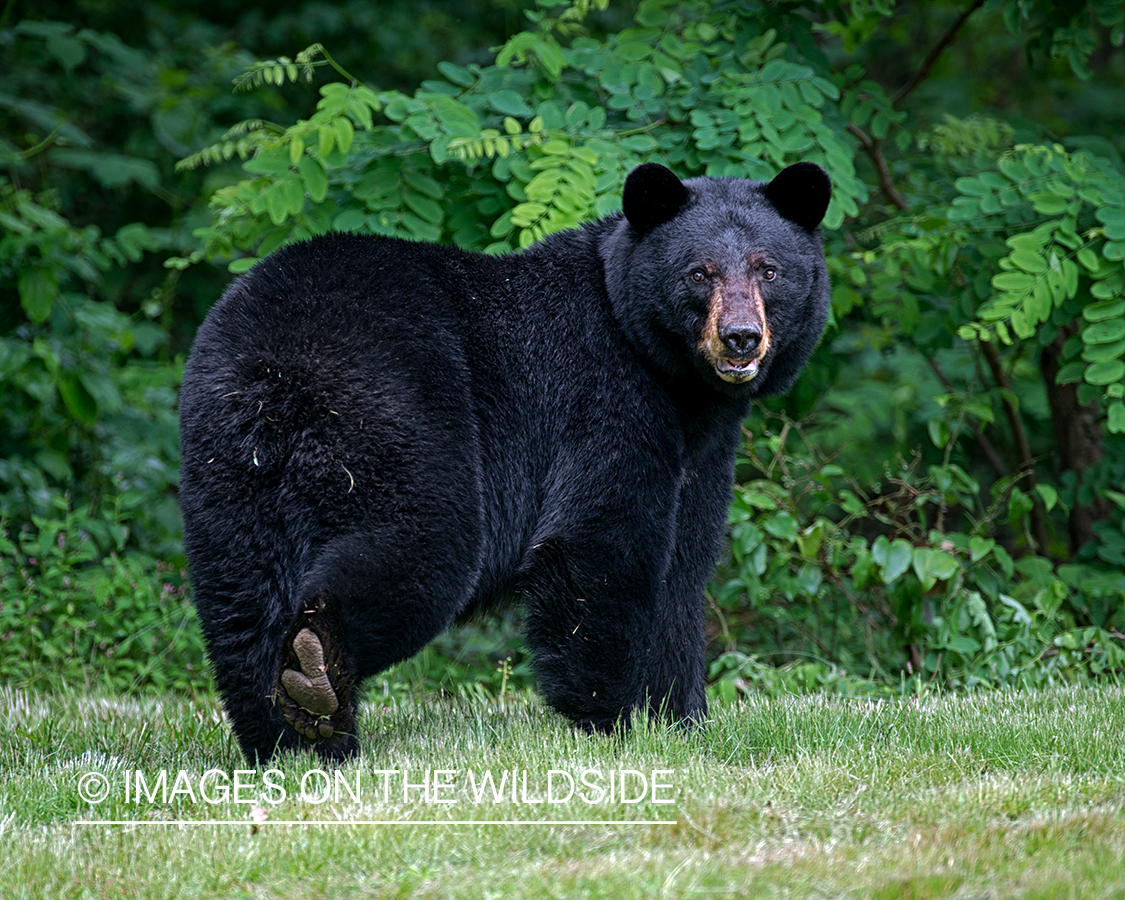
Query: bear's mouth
{"points": [[736, 371]]}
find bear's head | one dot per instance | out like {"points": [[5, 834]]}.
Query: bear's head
{"points": [[722, 276]]}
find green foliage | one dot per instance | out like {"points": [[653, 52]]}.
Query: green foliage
{"points": [[80, 404], [864, 583], [76, 609], [1061, 220], [537, 142], [88, 367]]}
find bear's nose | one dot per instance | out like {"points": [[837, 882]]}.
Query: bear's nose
{"points": [[741, 338]]}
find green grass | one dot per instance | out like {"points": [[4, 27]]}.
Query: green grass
{"points": [[995, 795]]}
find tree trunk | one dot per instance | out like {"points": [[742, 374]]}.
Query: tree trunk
{"points": [[1078, 436]]}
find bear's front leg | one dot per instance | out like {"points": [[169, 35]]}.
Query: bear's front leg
{"points": [[591, 614], [674, 680], [675, 676]]}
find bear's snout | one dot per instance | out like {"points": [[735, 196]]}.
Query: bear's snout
{"points": [[735, 337], [742, 337]]}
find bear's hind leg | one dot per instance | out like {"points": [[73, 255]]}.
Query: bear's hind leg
{"points": [[369, 601]]}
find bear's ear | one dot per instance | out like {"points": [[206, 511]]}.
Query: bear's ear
{"points": [[801, 193], [653, 195]]}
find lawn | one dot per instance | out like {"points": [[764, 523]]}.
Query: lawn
{"points": [[994, 795]]}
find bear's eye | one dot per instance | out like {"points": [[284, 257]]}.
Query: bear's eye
{"points": [[698, 276], [769, 273]]}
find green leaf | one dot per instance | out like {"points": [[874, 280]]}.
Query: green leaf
{"points": [[1105, 372], [639, 143], [1047, 204], [509, 103], [1106, 309], [1013, 282], [350, 220], [38, 287], [456, 74], [1104, 332], [238, 266], [1038, 304], [1029, 261], [1048, 494], [980, 547], [316, 182], [1088, 258], [556, 147], [757, 499], [939, 432], [66, 50], [1113, 217], [293, 191], [1114, 250], [345, 134], [972, 187], [420, 228], [1070, 373], [932, 565], [782, 526], [1103, 352], [963, 644], [810, 540], [1070, 277], [1116, 417], [428, 209], [270, 162], [77, 397], [456, 118], [1106, 289], [893, 559], [276, 203]]}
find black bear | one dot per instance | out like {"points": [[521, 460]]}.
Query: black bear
{"points": [[380, 437]]}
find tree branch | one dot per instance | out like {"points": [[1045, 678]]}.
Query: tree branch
{"points": [[874, 146], [1025, 461], [927, 65], [982, 441], [874, 149]]}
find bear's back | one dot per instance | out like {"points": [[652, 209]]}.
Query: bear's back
{"points": [[328, 297]]}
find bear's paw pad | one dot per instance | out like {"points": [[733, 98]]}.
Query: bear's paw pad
{"points": [[310, 687], [309, 696]]}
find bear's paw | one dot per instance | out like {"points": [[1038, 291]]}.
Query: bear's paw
{"points": [[314, 686], [310, 686]]}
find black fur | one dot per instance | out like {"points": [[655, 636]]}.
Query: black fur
{"points": [[400, 433]]}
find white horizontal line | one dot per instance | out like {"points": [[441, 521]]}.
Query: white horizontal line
{"points": [[522, 822]]}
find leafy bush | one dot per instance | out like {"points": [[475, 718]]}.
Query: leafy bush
{"points": [[76, 608], [899, 582], [88, 369]]}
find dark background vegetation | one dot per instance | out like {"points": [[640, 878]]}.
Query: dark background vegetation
{"points": [[940, 502]]}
